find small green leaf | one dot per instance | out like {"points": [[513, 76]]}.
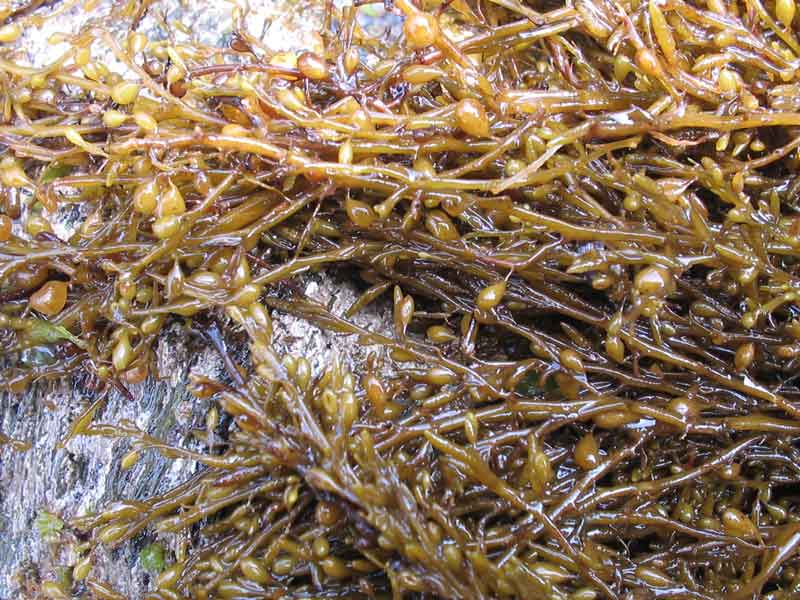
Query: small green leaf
{"points": [[64, 577], [531, 385], [54, 172], [151, 558], [48, 524], [43, 332], [372, 10]]}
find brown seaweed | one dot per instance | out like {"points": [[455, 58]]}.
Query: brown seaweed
{"points": [[585, 219]]}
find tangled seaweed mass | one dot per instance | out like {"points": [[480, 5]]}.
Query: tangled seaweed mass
{"points": [[586, 218]]}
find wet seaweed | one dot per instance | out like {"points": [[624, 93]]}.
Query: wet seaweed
{"points": [[584, 217]]}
